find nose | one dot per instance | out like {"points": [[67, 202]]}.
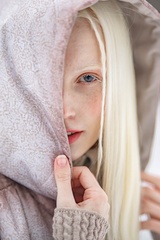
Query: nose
{"points": [[68, 105]]}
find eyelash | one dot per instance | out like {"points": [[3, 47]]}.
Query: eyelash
{"points": [[95, 78]]}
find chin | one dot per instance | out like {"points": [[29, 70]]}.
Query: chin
{"points": [[76, 155], [74, 158]]}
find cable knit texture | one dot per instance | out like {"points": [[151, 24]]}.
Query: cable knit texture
{"points": [[33, 40], [71, 224]]}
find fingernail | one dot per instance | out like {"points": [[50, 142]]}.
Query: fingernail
{"points": [[61, 161]]}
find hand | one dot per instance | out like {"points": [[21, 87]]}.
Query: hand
{"points": [[81, 191], [150, 203]]}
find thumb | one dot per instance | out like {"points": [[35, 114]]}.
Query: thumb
{"points": [[62, 173]]}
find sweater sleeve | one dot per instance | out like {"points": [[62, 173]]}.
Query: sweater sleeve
{"points": [[75, 224]]}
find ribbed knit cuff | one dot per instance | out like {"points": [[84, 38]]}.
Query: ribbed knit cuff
{"points": [[75, 224]]}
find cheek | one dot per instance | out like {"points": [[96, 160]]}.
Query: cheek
{"points": [[93, 103]]}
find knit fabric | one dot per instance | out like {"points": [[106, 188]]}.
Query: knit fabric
{"points": [[33, 40], [71, 224]]}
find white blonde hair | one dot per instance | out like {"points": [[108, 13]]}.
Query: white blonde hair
{"points": [[118, 164]]}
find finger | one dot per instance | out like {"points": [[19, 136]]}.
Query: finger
{"points": [[62, 173], [151, 179], [94, 198], [152, 225], [85, 178], [148, 207], [151, 194]]}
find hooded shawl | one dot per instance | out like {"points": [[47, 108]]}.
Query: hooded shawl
{"points": [[33, 39]]}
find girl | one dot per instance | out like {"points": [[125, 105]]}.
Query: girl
{"points": [[91, 81], [34, 45]]}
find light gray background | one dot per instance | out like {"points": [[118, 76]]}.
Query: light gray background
{"points": [[155, 3]]}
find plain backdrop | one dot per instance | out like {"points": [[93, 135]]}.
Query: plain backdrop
{"points": [[155, 3]]}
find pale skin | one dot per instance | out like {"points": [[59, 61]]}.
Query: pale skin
{"points": [[150, 203], [82, 89], [82, 93]]}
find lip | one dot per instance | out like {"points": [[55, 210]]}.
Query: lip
{"points": [[74, 137]]}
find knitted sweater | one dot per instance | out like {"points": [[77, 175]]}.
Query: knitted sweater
{"points": [[33, 39], [33, 217], [71, 224]]}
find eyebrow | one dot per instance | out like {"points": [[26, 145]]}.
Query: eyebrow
{"points": [[92, 67]]}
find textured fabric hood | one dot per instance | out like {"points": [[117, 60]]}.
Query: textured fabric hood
{"points": [[33, 40]]}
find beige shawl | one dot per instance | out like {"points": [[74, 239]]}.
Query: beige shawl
{"points": [[33, 39]]}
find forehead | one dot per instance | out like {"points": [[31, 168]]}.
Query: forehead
{"points": [[83, 47]]}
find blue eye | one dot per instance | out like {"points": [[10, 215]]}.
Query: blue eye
{"points": [[87, 78]]}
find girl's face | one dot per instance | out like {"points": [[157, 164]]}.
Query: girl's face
{"points": [[82, 89]]}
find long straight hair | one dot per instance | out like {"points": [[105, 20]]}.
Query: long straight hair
{"points": [[118, 165]]}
